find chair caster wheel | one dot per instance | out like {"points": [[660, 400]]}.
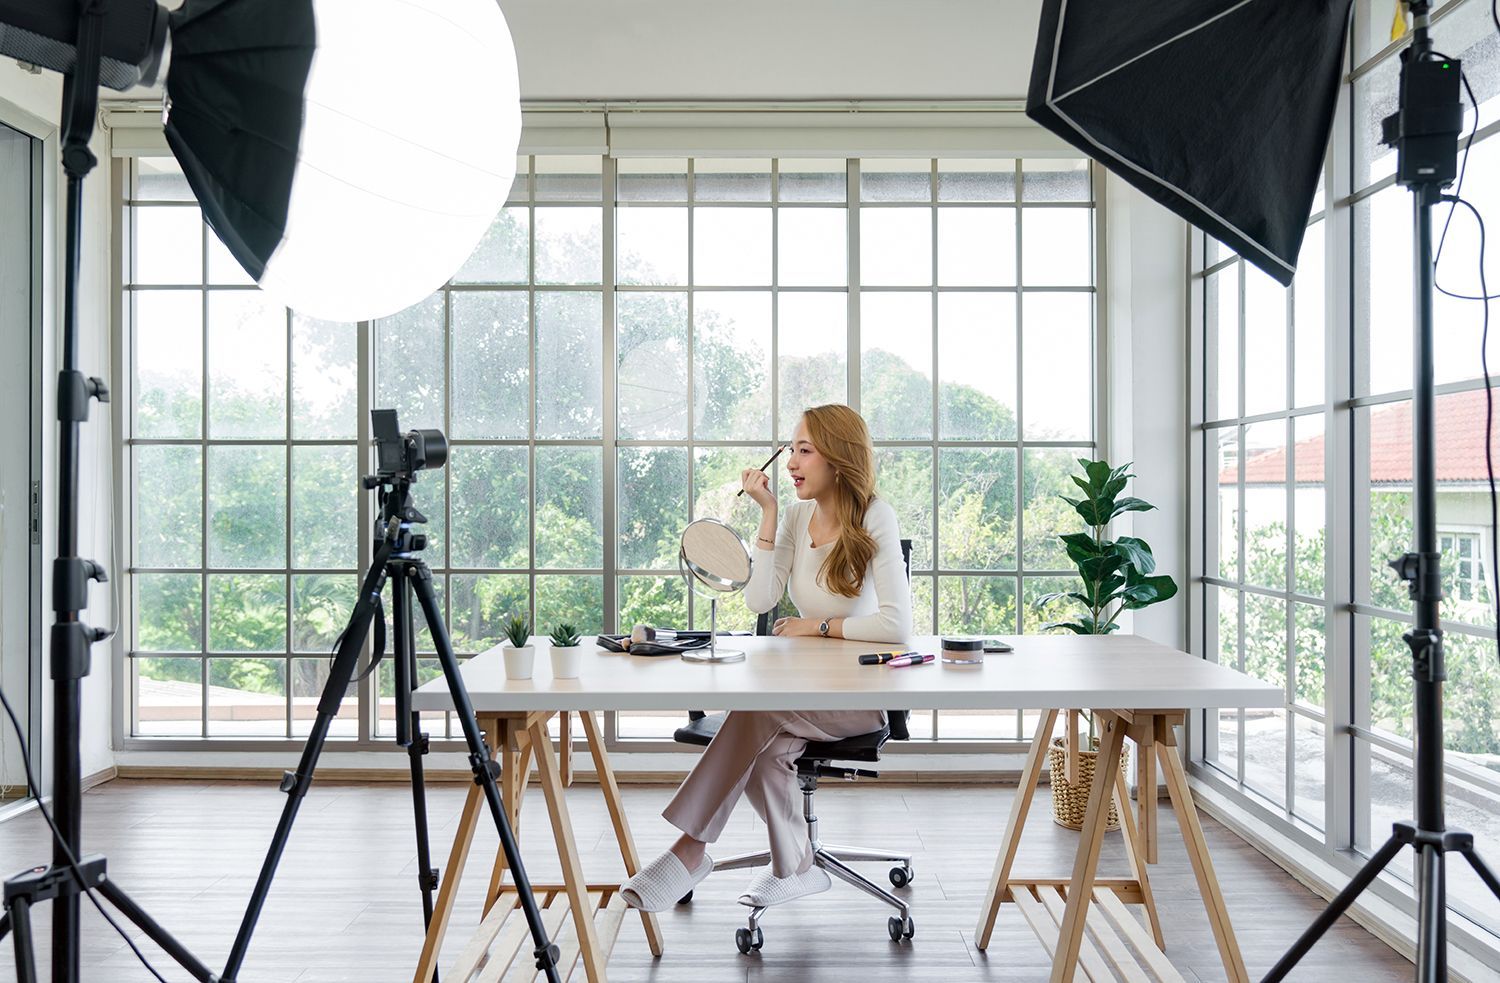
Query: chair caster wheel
{"points": [[900, 928], [747, 943], [685, 898], [901, 876]]}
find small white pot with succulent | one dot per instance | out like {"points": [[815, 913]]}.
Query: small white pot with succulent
{"points": [[567, 654], [520, 654]]}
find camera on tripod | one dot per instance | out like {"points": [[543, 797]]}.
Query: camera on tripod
{"points": [[399, 456]]}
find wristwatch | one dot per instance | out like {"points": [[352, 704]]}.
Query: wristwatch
{"points": [[823, 628]]}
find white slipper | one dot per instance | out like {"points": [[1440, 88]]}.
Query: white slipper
{"points": [[662, 883], [766, 889]]}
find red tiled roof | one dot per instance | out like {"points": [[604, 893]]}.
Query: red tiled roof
{"points": [[1460, 455]]}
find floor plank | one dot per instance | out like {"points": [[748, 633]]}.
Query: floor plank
{"points": [[345, 904]]}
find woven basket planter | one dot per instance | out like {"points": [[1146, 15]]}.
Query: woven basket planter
{"points": [[1071, 800]]}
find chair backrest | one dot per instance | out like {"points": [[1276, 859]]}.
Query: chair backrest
{"points": [[897, 718]]}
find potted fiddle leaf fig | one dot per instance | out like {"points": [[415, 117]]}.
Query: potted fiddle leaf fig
{"points": [[1118, 575]]}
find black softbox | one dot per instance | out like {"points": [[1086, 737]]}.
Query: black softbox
{"points": [[1219, 110]]}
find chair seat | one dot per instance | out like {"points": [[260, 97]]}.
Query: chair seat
{"points": [[861, 747]]}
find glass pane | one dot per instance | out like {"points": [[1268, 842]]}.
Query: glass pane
{"points": [[168, 506], [1310, 765], [168, 337], [325, 504], [569, 245], [569, 365], [895, 247], [732, 179], [921, 606], [653, 506], [247, 507], [321, 606], [1222, 319], [169, 697], [1265, 343], [309, 677], [895, 180], [904, 478], [168, 245], [732, 247], [247, 697], [1310, 636], [325, 379], [520, 188], [896, 364], [977, 366], [247, 339], [812, 247], [491, 364], [568, 178], [1058, 358], [652, 374], [504, 254], [733, 614], [976, 247], [1382, 289], [1460, 322], [482, 604], [651, 246], [1224, 617], [1225, 445], [1471, 729], [1265, 751], [169, 612], [732, 366], [223, 268], [1056, 247], [716, 483], [977, 180], [1035, 616], [811, 179], [656, 601], [1265, 504], [161, 179], [1055, 180], [247, 612], [578, 600], [651, 178], [1047, 516], [491, 494], [1309, 502], [409, 364], [569, 509], [1390, 523], [812, 341], [1307, 320], [977, 605], [977, 510]]}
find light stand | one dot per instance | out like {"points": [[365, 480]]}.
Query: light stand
{"points": [[71, 639], [1424, 130]]}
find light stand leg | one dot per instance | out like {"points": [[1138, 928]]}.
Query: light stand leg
{"points": [[484, 769]]}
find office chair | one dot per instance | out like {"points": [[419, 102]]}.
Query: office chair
{"points": [[817, 762]]}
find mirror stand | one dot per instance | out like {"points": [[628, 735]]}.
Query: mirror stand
{"points": [[713, 653]]}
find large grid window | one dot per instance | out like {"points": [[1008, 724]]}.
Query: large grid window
{"points": [[1306, 493], [629, 335]]}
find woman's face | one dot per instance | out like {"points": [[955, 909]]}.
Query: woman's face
{"points": [[810, 471]]}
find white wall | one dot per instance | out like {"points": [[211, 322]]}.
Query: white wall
{"points": [[1146, 299], [33, 102]]}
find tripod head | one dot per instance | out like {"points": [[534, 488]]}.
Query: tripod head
{"points": [[399, 456]]}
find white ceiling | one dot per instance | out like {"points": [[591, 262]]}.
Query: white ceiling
{"points": [[773, 49]]}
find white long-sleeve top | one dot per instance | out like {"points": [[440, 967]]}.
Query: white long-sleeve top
{"points": [[881, 612]]}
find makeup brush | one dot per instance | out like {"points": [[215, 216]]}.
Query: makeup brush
{"points": [[770, 461]]}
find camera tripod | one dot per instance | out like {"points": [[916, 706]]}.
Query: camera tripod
{"points": [[397, 559]]}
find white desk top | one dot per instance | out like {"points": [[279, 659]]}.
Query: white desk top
{"points": [[1045, 671]]}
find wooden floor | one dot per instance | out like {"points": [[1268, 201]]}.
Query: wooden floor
{"points": [[345, 904]]}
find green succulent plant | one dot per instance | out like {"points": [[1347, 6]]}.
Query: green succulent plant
{"points": [[1117, 574], [518, 630], [564, 636]]}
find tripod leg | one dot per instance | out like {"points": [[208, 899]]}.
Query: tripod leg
{"points": [[20, 923], [127, 907], [484, 770], [295, 784], [1336, 907], [1485, 874], [409, 731]]}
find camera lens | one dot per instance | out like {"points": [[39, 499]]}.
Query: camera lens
{"points": [[430, 448]]}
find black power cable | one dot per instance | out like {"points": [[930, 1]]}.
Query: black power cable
{"points": [[57, 836]]}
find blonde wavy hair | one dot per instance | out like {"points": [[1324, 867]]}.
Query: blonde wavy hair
{"points": [[840, 435]]}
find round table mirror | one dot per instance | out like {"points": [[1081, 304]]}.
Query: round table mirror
{"points": [[715, 562]]}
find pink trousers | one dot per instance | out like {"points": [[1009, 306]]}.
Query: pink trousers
{"points": [[753, 754]]}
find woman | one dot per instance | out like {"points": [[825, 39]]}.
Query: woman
{"points": [[838, 553]]}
